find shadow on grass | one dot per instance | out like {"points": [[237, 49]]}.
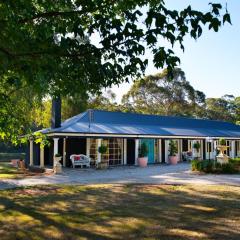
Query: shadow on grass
{"points": [[121, 212]]}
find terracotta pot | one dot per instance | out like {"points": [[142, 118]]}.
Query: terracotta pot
{"points": [[173, 160], [142, 161]]}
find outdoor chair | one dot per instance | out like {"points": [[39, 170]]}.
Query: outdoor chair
{"points": [[80, 160], [187, 156]]}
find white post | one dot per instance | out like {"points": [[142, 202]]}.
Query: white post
{"points": [[201, 149], [214, 148], [124, 151], [99, 142], [136, 150], [55, 149], [166, 150], [31, 152], [159, 150], [233, 149], [189, 146], [64, 152], [180, 149], [88, 147], [55, 146], [42, 157], [238, 148], [206, 149]]}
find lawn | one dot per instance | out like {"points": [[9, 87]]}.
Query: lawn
{"points": [[120, 212], [7, 171]]}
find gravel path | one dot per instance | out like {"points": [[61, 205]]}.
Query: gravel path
{"points": [[155, 174]]}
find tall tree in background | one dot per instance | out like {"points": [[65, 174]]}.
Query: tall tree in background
{"points": [[237, 102], [164, 94], [225, 108], [71, 106]]}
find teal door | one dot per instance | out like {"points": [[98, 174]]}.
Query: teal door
{"points": [[150, 145]]}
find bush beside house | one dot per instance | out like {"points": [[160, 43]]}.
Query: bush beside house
{"points": [[211, 166]]}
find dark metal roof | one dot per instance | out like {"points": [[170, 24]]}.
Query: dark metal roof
{"points": [[105, 122]]}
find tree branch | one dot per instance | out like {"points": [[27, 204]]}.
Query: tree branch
{"points": [[40, 53], [6, 51]]}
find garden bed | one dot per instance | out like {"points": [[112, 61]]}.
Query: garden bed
{"points": [[212, 166]]}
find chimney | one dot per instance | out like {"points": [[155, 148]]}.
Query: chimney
{"points": [[56, 112]]}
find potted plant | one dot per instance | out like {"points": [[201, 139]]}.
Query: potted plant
{"points": [[197, 146], [222, 142], [143, 155], [104, 162], [172, 157]]}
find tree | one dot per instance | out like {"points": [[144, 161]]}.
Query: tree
{"points": [[17, 102], [48, 47], [47, 43], [164, 94], [237, 103], [225, 108]]}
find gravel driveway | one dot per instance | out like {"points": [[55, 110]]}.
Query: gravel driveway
{"points": [[155, 174]]}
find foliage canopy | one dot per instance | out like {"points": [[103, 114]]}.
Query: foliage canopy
{"points": [[68, 46], [53, 45]]}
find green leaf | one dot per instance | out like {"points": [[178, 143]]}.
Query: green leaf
{"points": [[227, 18]]}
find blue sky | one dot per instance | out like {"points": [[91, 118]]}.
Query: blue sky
{"points": [[211, 63]]}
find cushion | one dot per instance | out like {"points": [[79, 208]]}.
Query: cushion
{"points": [[76, 158]]}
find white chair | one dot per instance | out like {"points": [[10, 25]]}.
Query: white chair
{"points": [[80, 160]]}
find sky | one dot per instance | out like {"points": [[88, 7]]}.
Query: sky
{"points": [[211, 63]]}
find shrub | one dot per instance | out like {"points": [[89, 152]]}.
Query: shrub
{"points": [[197, 165], [234, 160], [228, 168], [143, 150], [102, 149], [222, 141], [197, 146], [210, 166], [194, 165], [172, 148]]}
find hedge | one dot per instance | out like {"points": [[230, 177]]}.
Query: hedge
{"points": [[211, 166]]}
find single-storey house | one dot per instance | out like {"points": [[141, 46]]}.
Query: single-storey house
{"points": [[123, 133]]}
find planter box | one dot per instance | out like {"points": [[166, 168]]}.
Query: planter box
{"points": [[102, 165]]}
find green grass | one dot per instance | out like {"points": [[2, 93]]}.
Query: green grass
{"points": [[120, 212], [8, 171], [8, 156]]}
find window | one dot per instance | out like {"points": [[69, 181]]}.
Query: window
{"points": [[93, 149], [114, 150], [238, 148]]}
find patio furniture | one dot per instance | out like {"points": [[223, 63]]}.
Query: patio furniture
{"points": [[80, 160], [187, 156]]}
